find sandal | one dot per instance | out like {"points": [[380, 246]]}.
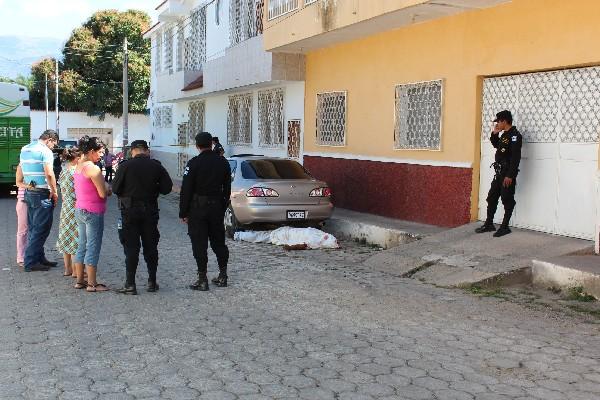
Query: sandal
{"points": [[98, 287], [71, 274], [80, 285]]}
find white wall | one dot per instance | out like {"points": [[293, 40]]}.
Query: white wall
{"points": [[164, 144], [139, 125]]}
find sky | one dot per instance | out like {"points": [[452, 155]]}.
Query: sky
{"points": [[32, 29]]}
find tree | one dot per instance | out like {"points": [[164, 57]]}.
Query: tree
{"points": [[26, 81], [91, 71], [38, 75]]}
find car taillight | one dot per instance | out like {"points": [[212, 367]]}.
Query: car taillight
{"points": [[321, 192], [261, 192]]}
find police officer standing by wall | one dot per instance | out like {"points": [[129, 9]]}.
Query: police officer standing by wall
{"points": [[138, 182], [506, 165], [204, 197]]}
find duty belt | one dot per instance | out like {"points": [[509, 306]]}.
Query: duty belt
{"points": [[499, 167], [202, 200], [128, 202]]}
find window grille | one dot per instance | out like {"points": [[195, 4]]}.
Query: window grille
{"points": [[547, 106], [180, 45], [418, 116], [196, 112], [195, 44], [182, 160], [331, 119], [270, 117], [242, 20], [279, 7], [182, 134], [159, 50], [163, 116], [168, 44], [239, 119]]}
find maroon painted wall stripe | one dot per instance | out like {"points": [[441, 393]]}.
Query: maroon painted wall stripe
{"points": [[421, 193]]}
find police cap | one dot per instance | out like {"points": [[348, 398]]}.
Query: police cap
{"points": [[139, 144], [204, 139], [504, 115]]}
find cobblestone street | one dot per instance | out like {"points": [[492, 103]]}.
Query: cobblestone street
{"points": [[309, 324]]}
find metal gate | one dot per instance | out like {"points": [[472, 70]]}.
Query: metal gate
{"points": [[558, 114]]}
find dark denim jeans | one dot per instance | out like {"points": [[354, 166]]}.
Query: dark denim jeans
{"points": [[40, 212]]}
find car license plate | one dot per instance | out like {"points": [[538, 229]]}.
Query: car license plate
{"points": [[296, 215]]}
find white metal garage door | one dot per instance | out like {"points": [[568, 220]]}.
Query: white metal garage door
{"points": [[558, 114]]}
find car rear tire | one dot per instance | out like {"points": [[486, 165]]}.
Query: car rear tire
{"points": [[231, 223]]}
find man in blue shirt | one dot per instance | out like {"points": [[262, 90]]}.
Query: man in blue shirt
{"points": [[36, 162]]}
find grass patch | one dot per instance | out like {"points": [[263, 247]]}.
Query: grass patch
{"points": [[482, 292], [576, 293], [584, 310]]}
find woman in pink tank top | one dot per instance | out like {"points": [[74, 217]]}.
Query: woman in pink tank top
{"points": [[91, 192]]}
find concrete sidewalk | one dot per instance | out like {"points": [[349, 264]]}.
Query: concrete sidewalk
{"points": [[376, 230], [460, 257]]}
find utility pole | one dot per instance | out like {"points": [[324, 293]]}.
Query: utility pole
{"points": [[46, 98], [125, 96], [56, 100]]}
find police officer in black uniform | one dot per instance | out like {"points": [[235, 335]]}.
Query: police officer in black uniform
{"points": [[508, 157], [138, 182], [203, 199]]}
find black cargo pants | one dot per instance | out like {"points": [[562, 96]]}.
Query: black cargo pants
{"points": [[140, 222], [205, 223], [507, 194]]}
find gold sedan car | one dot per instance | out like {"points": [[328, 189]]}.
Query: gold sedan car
{"points": [[274, 191]]}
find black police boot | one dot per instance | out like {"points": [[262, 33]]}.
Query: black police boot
{"points": [[486, 227], [152, 286], [220, 281], [502, 231], [128, 288], [201, 284], [47, 263]]}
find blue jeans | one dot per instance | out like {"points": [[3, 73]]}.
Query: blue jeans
{"points": [[40, 212], [90, 227]]}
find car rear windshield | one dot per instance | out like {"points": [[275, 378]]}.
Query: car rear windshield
{"points": [[273, 169]]}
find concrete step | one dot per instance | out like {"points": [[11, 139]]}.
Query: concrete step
{"points": [[376, 230], [567, 272], [459, 257]]}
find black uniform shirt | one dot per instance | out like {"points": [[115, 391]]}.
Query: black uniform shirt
{"points": [[207, 174], [508, 151], [141, 178]]}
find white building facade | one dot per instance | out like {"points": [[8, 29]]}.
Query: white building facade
{"points": [[210, 73], [73, 125]]}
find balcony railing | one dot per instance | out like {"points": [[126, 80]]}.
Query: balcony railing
{"points": [[278, 8]]}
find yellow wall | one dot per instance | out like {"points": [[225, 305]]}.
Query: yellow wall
{"points": [[522, 36]]}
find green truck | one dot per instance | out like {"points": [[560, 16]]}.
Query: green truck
{"points": [[15, 128]]}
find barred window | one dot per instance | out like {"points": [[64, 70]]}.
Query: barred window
{"points": [[182, 160], [196, 112], [180, 44], [159, 50], [163, 116], [242, 20], [182, 136], [270, 117], [279, 7], [418, 116], [331, 119], [239, 119], [168, 44], [195, 44]]}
